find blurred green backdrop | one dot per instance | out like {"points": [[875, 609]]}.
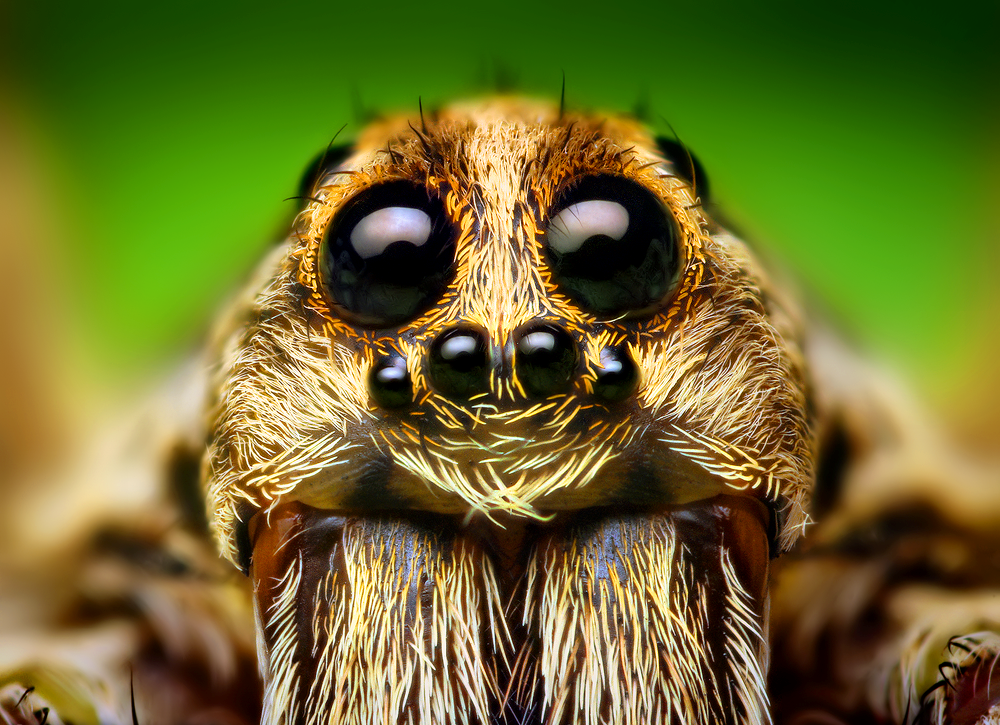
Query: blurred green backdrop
{"points": [[855, 142]]}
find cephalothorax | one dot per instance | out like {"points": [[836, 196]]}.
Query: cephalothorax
{"points": [[525, 329], [510, 429]]}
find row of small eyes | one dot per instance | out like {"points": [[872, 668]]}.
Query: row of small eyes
{"points": [[389, 254]]}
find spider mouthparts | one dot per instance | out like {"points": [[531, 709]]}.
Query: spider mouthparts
{"points": [[404, 612], [974, 697]]}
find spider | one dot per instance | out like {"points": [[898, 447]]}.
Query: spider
{"points": [[511, 429]]}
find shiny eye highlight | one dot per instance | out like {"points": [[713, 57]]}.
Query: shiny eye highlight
{"points": [[613, 246], [388, 254], [576, 224], [375, 233]]}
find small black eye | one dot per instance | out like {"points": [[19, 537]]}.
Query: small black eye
{"points": [[685, 165], [613, 246], [325, 162], [388, 254]]}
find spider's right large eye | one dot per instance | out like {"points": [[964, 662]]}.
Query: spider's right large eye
{"points": [[387, 256], [613, 246]]}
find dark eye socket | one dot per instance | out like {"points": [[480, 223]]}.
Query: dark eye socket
{"points": [[388, 254], [613, 246]]}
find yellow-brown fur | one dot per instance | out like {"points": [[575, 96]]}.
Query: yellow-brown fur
{"points": [[721, 388], [722, 376]]}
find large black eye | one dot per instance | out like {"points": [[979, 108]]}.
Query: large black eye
{"points": [[613, 246], [387, 255]]}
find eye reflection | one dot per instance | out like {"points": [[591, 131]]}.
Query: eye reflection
{"points": [[379, 230], [576, 224]]}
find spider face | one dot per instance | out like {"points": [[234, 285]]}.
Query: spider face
{"points": [[509, 433]]}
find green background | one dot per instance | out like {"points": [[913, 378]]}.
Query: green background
{"points": [[856, 143]]}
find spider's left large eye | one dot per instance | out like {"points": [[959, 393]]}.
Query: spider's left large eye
{"points": [[387, 256], [613, 246]]}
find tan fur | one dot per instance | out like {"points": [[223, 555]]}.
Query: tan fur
{"points": [[721, 386], [721, 383]]}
